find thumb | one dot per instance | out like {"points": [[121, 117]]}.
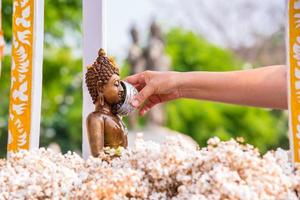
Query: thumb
{"points": [[141, 97]]}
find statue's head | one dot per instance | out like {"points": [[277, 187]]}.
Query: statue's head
{"points": [[103, 80], [155, 30], [134, 34]]}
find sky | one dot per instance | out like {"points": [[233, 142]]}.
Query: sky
{"points": [[121, 15], [226, 23]]}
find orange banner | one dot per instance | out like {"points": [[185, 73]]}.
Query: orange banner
{"points": [[21, 75], [1, 43], [293, 46]]}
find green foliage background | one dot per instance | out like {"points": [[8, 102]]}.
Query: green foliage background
{"points": [[61, 103]]}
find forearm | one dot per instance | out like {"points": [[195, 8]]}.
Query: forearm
{"points": [[263, 87]]}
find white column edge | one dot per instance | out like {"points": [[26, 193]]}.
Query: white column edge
{"points": [[37, 73], [94, 38]]}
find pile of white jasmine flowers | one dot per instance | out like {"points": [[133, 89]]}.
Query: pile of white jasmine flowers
{"points": [[172, 170]]}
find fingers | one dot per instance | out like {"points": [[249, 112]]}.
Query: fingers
{"points": [[133, 79], [154, 100], [146, 107], [139, 87], [142, 96], [136, 79]]}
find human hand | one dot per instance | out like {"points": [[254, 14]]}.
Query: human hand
{"points": [[154, 87]]}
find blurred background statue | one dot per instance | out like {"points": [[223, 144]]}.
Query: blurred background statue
{"points": [[136, 62], [153, 58], [135, 54], [156, 60]]}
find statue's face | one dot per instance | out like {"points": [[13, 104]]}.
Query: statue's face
{"points": [[113, 90]]}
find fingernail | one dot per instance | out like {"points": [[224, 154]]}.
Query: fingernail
{"points": [[135, 103]]}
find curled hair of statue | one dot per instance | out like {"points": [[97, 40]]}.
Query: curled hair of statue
{"points": [[99, 73]]}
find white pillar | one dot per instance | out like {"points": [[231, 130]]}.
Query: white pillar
{"points": [[94, 38], [26, 75], [37, 73]]}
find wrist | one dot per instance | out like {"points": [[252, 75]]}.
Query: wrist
{"points": [[177, 79], [189, 83]]}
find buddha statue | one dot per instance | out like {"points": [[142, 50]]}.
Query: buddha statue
{"points": [[105, 127]]}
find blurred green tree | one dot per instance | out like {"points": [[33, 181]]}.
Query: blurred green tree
{"points": [[62, 17], [4, 102], [62, 100]]}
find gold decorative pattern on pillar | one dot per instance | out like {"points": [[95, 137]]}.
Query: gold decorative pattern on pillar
{"points": [[21, 75]]}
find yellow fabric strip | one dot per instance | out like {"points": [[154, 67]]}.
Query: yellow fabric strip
{"points": [[21, 75], [294, 77]]}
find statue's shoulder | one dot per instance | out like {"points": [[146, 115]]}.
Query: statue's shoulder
{"points": [[94, 116]]}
